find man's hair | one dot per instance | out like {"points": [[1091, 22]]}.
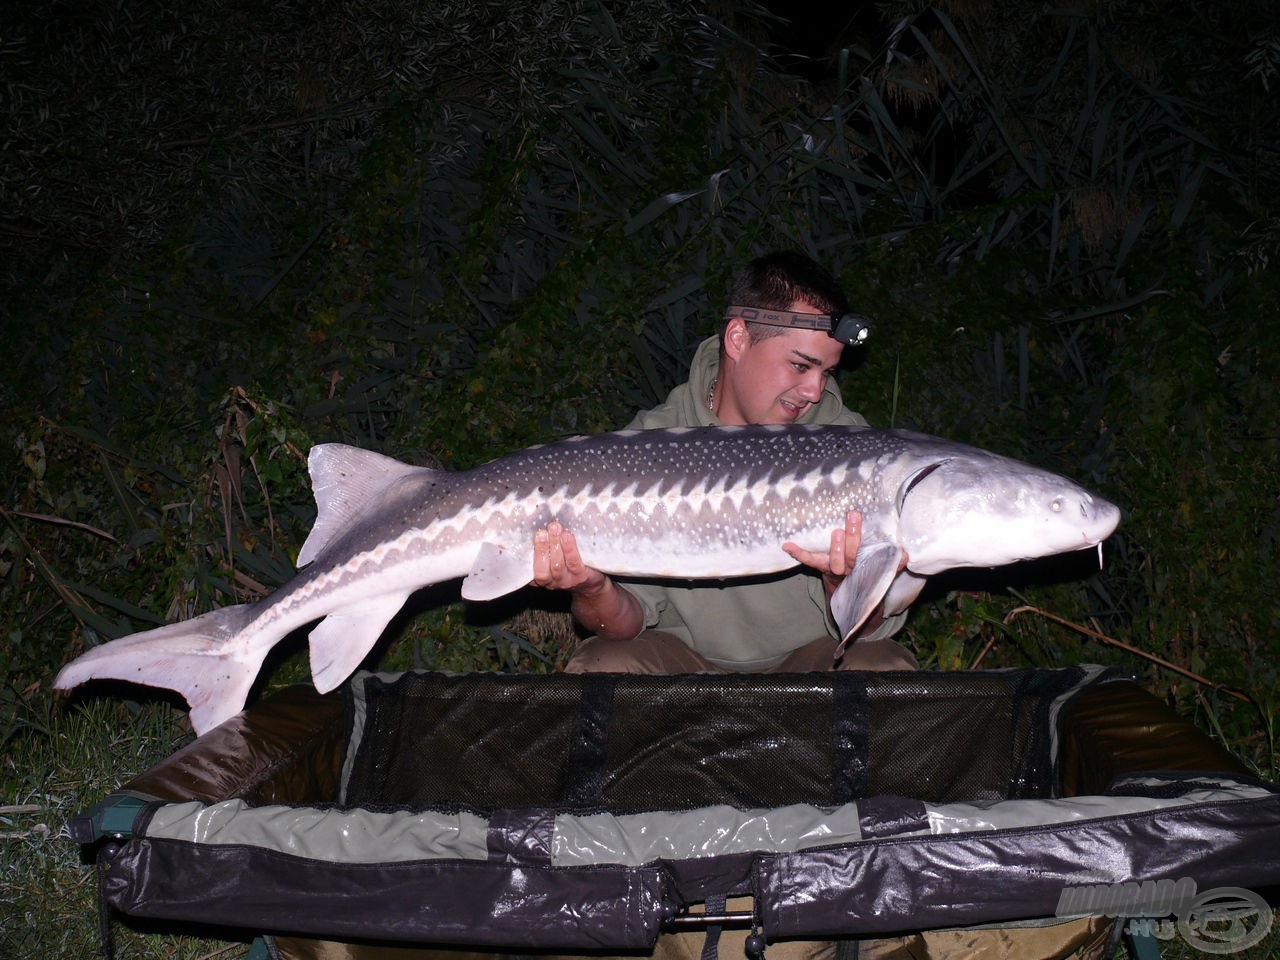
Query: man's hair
{"points": [[779, 279]]}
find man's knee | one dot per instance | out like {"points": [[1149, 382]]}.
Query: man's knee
{"points": [[652, 652], [877, 655], [595, 655]]}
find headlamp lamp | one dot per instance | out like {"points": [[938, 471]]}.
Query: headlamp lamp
{"points": [[849, 328]]}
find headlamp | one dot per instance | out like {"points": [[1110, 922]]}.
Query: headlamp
{"points": [[849, 328]]}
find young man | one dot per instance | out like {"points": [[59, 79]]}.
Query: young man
{"points": [[772, 372]]}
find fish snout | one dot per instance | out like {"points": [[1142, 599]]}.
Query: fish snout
{"points": [[1077, 512], [1098, 517]]}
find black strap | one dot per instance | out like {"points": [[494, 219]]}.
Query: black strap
{"points": [[104, 908], [716, 903], [521, 835], [584, 774], [851, 737]]}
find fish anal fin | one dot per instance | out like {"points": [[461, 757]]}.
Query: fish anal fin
{"points": [[496, 572], [344, 480], [342, 640], [858, 594]]}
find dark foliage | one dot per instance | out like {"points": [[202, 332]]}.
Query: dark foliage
{"points": [[450, 232]]}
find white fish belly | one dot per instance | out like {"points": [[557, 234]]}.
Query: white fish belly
{"points": [[683, 542]]}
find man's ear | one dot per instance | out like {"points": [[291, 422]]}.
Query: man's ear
{"points": [[736, 338]]}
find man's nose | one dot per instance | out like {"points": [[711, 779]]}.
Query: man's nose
{"points": [[811, 387]]}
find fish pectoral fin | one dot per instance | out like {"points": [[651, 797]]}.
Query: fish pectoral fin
{"points": [[903, 592], [497, 572], [862, 590], [342, 640]]}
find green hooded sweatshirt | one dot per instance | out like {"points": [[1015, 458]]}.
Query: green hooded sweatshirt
{"points": [[743, 624]]}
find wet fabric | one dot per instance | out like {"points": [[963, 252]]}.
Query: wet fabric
{"points": [[630, 743], [923, 814]]}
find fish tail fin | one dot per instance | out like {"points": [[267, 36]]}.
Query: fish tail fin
{"points": [[206, 659]]}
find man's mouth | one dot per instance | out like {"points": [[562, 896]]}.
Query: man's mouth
{"points": [[793, 410]]}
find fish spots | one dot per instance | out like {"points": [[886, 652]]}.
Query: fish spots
{"points": [[812, 480], [637, 497]]}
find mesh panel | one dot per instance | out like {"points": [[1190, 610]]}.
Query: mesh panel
{"points": [[629, 744], [979, 736], [712, 739], [481, 741]]}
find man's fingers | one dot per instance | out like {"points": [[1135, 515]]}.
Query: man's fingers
{"points": [[557, 563], [841, 555], [807, 557], [569, 550], [853, 525], [556, 554], [541, 556], [836, 559], [849, 539], [810, 558]]}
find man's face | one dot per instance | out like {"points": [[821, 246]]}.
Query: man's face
{"points": [[777, 379]]}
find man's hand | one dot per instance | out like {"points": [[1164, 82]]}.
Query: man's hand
{"points": [[836, 563], [599, 604], [557, 564]]}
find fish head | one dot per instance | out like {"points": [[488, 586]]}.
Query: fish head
{"points": [[985, 511]]}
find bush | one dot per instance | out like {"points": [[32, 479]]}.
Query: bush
{"points": [[484, 253]]}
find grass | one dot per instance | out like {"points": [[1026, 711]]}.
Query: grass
{"points": [[54, 768], [63, 756]]}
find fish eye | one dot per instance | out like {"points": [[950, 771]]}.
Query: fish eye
{"points": [[1056, 506]]}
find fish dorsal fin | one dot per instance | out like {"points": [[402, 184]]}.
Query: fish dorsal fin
{"points": [[343, 480]]}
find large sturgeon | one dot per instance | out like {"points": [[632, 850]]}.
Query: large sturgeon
{"points": [[684, 503]]}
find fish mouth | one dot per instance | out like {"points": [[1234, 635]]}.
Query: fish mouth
{"points": [[1106, 517]]}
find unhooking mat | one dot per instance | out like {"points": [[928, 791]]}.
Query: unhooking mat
{"points": [[586, 813]]}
